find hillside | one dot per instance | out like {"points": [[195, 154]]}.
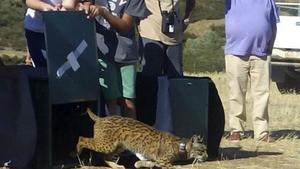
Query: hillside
{"points": [[12, 41], [12, 12], [204, 38], [11, 26]]}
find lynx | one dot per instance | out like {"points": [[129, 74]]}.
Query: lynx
{"points": [[114, 134]]}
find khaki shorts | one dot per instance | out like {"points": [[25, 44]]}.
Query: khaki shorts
{"points": [[117, 79]]}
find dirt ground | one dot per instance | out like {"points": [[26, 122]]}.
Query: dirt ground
{"points": [[284, 123], [284, 112], [249, 154]]}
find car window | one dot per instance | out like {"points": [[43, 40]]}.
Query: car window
{"points": [[288, 8]]}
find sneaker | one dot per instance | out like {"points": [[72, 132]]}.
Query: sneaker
{"points": [[267, 138], [235, 136]]}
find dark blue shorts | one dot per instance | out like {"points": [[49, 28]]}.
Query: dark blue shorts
{"points": [[36, 43], [161, 59]]}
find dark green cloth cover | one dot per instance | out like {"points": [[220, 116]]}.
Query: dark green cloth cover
{"points": [[195, 105], [197, 109], [64, 32], [17, 121], [189, 105]]}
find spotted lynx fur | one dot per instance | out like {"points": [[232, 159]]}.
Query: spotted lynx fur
{"points": [[114, 134]]}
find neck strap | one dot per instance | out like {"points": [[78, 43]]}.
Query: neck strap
{"points": [[173, 6]]}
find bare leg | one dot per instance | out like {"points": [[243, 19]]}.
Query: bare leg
{"points": [[128, 107], [113, 107]]}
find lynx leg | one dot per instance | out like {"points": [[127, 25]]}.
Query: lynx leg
{"points": [[90, 143], [84, 142], [167, 166], [144, 164], [108, 160], [164, 165], [114, 165]]}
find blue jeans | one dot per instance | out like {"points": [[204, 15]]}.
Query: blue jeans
{"points": [[36, 43], [161, 59]]}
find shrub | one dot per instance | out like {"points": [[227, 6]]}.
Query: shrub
{"points": [[204, 54], [11, 27], [212, 9], [10, 60]]}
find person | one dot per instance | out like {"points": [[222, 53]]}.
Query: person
{"points": [[161, 37], [28, 60], [117, 50], [250, 28], [1, 62], [33, 26]]}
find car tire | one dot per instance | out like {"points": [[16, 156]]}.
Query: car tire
{"points": [[291, 83]]}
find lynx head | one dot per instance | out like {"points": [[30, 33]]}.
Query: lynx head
{"points": [[196, 149]]}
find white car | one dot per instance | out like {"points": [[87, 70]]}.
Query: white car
{"points": [[286, 52]]}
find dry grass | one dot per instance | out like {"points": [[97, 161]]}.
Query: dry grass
{"points": [[284, 111], [201, 27], [11, 52], [93, 167]]}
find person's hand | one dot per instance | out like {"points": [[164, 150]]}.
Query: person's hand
{"points": [[48, 7], [69, 5], [80, 7], [185, 23], [59, 7], [28, 61], [95, 10], [83, 7]]}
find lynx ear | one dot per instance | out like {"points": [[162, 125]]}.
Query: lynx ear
{"points": [[194, 138], [88, 109], [197, 138], [200, 138]]}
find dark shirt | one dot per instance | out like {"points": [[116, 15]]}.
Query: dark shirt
{"points": [[120, 47]]}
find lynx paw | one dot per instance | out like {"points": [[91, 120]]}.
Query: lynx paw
{"points": [[144, 164], [114, 165]]}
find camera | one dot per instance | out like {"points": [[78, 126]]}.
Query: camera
{"points": [[168, 22]]}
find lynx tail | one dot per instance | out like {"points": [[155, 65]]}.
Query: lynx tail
{"points": [[91, 114]]}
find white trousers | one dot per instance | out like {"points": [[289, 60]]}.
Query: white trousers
{"points": [[239, 70]]}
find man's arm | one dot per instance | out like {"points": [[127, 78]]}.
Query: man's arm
{"points": [[70, 4], [271, 43], [43, 6], [85, 5], [122, 24], [40, 5], [189, 6]]}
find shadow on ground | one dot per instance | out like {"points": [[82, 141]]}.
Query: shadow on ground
{"points": [[233, 153], [286, 134], [277, 134]]}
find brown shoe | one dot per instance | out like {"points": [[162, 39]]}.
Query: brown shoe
{"points": [[267, 138], [235, 136]]}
